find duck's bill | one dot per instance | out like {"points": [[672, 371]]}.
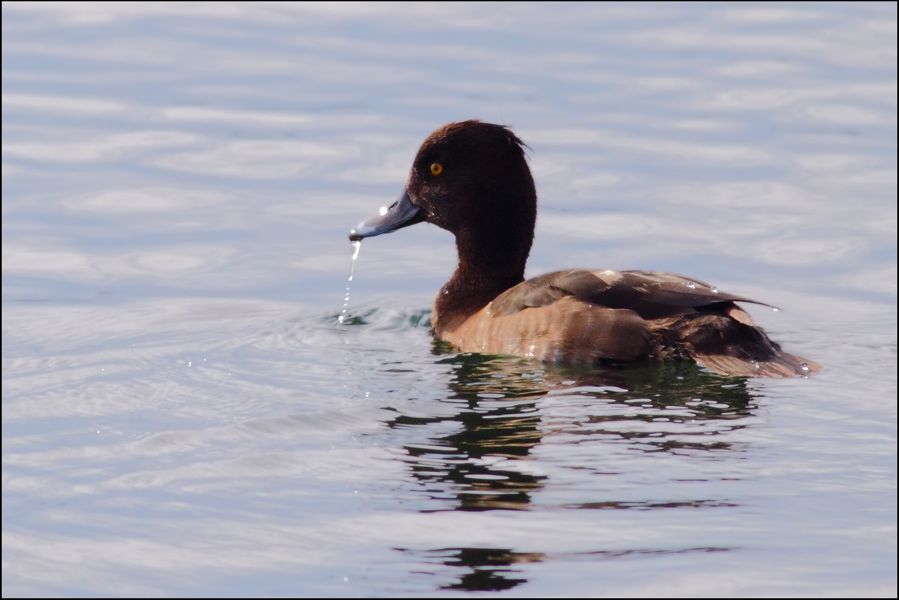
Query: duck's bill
{"points": [[401, 213]]}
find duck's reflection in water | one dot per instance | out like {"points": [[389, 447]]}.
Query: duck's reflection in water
{"points": [[504, 411], [482, 569], [479, 464]]}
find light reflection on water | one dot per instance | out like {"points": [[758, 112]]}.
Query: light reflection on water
{"points": [[182, 413]]}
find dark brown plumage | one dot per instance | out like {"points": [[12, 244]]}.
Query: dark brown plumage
{"points": [[481, 190]]}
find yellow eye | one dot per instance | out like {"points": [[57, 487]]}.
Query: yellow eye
{"points": [[436, 168]]}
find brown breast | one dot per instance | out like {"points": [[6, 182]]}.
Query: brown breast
{"points": [[568, 330]]}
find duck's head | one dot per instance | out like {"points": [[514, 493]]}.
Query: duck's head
{"points": [[472, 179]]}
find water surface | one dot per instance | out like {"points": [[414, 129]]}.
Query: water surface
{"points": [[184, 415]]}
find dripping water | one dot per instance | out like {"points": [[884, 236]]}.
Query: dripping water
{"points": [[346, 298]]}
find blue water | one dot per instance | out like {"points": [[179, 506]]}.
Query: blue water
{"points": [[183, 415]]}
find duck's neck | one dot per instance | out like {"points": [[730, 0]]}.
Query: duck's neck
{"points": [[488, 266]]}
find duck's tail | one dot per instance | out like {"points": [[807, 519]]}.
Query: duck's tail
{"points": [[729, 344], [782, 365]]}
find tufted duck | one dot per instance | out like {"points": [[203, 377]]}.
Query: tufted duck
{"points": [[471, 178]]}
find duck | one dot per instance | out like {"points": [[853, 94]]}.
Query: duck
{"points": [[472, 179]]}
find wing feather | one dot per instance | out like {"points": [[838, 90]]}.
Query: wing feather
{"points": [[648, 293]]}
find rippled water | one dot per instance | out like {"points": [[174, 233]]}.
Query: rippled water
{"points": [[184, 415]]}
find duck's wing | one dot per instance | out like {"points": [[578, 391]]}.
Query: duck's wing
{"points": [[684, 317], [649, 294]]}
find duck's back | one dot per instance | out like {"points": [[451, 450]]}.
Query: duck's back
{"points": [[582, 316]]}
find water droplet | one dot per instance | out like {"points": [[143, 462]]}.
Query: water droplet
{"points": [[775, 309], [690, 285], [756, 365], [714, 289], [190, 364], [804, 367], [357, 245], [383, 210]]}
